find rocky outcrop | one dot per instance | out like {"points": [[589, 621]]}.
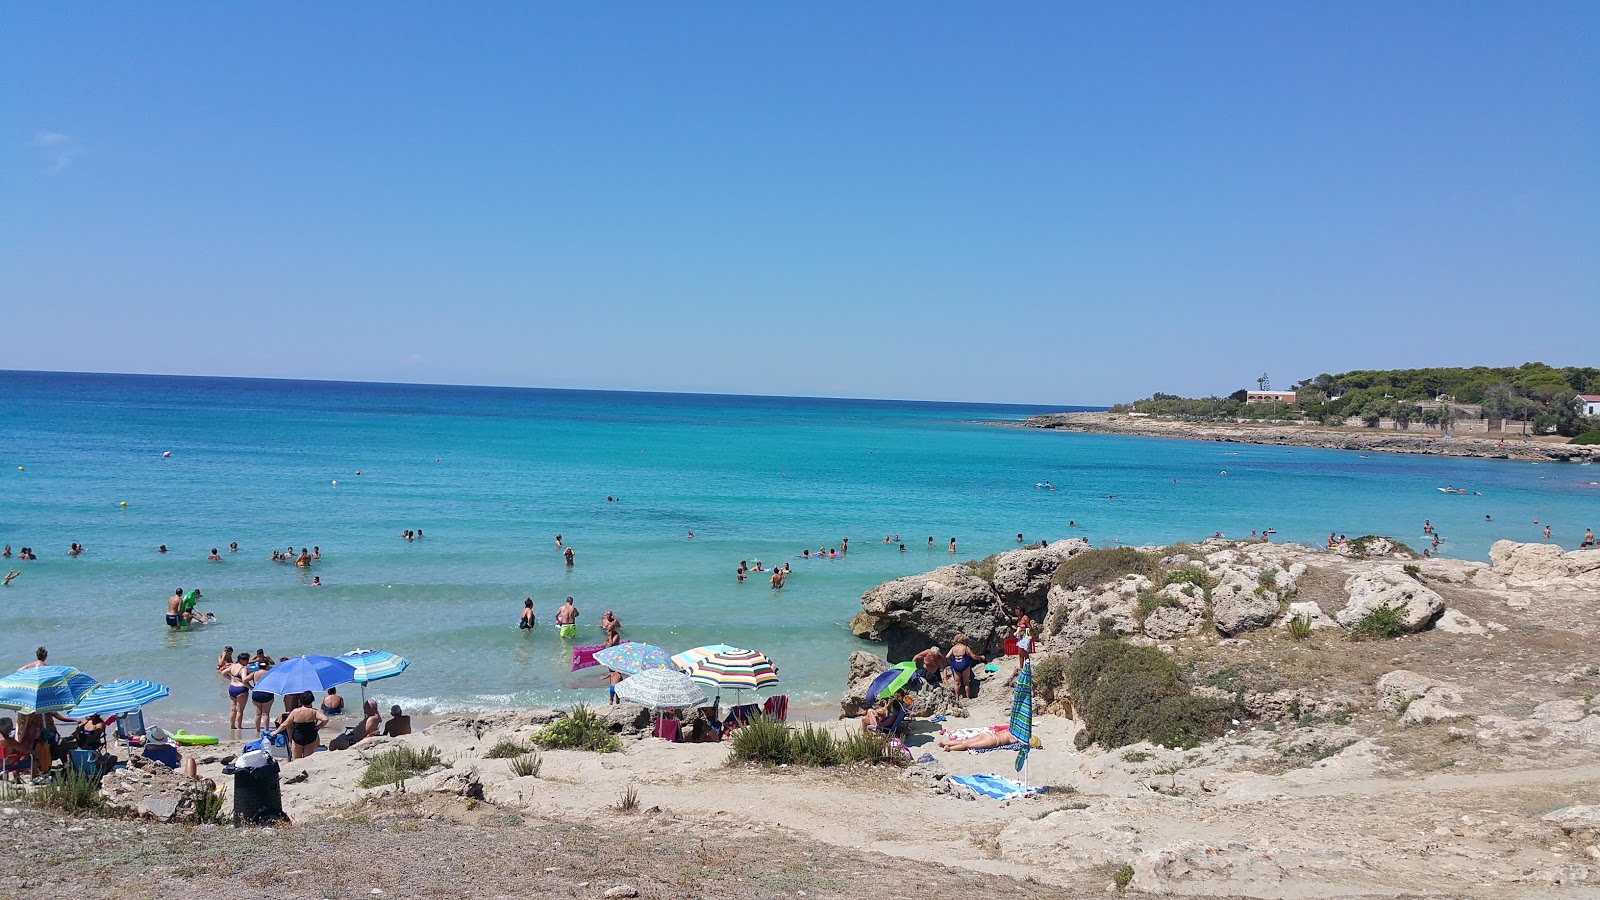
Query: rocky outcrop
{"points": [[927, 699], [911, 614], [1022, 577], [1390, 586], [1418, 699], [1076, 616], [149, 789], [1311, 612], [1241, 604], [1538, 564]]}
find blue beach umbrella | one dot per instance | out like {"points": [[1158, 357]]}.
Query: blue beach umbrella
{"points": [[633, 658], [45, 689], [306, 673], [1022, 713], [118, 697], [891, 680], [374, 665]]}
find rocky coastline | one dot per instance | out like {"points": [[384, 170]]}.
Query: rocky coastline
{"points": [[1481, 446]]}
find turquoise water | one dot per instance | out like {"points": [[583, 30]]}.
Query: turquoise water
{"points": [[491, 475]]}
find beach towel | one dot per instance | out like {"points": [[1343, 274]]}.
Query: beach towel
{"points": [[1014, 745], [994, 787], [583, 657]]}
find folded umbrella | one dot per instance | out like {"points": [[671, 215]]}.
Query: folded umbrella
{"points": [[306, 673], [45, 689], [118, 697]]}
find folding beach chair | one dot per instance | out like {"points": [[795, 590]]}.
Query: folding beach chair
{"points": [[130, 727], [777, 708]]}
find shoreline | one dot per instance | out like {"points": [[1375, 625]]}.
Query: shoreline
{"points": [[1319, 436]]}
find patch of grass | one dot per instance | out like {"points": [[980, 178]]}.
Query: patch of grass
{"points": [[507, 750], [208, 805], [861, 747], [579, 729], [629, 801], [1122, 877], [398, 764], [1300, 627], [1191, 575], [1414, 571], [1268, 578], [1380, 623], [69, 791], [813, 746], [1367, 544], [1131, 694], [528, 764], [1137, 756], [1093, 568], [1229, 679], [764, 741]]}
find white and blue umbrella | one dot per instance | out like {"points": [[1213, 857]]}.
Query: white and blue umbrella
{"points": [[118, 697], [45, 689], [306, 673], [662, 689], [374, 665]]}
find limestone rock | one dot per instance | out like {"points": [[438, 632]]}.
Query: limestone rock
{"points": [[1390, 586], [625, 718], [1312, 612], [1075, 615], [1239, 603], [1538, 563], [864, 666], [913, 613], [1022, 577], [1418, 699], [1454, 621], [149, 789]]}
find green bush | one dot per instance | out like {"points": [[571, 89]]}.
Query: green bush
{"points": [[528, 764], [579, 729], [813, 746], [1588, 437], [863, 747], [1123, 876], [1382, 622], [1129, 694], [507, 750], [1049, 674], [764, 741], [1094, 568], [1148, 603], [1364, 545], [398, 764], [1189, 575], [69, 791], [208, 805], [1300, 627], [983, 568]]}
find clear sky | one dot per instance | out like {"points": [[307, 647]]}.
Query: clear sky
{"points": [[1052, 203]]}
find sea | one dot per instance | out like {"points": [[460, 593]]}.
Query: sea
{"points": [[126, 463]]}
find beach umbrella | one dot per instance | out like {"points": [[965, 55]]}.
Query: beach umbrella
{"points": [[1022, 713], [662, 688], [45, 689], [734, 669], [306, 673], [374, 665], [891, 680], [631, 659], [688, 658], [117, 697]]}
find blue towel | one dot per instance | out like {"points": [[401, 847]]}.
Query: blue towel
{"points": [[937, 719], [995, 787]]}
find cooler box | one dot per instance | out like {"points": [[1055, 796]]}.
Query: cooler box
{"points": [[1011, 646]]}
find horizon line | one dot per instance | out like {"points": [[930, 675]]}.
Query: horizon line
{"points": [[515, 387]]}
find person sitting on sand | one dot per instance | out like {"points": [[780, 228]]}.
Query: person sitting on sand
{"points": [[399, 722], [705, 728], [371, 723], [962, 660], [982, 741], [333, 704], [302, 724], [889, 717], [12, 751]]}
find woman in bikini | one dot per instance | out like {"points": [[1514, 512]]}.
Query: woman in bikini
{"points": [[238, 674], [302, 724], [261, 699]]}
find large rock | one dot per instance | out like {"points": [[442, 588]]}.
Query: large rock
{"points": [[913, 613], [1240, 603], [864, 667], [927, 699], [1022, 577], [149, 789], [1544, 563], [1311, 612], [1390, 586], [1418, 699], [1182, 609], [1075, 616]]}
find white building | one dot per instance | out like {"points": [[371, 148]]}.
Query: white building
{"points": [[1589, 404]]}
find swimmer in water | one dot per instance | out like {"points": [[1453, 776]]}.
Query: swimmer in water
{"points": [[526, 623], [902, 548], [161, 549], [930, 542], [558, 537], [316, 581], [740, 574], [952, 545], [691, 534], [233, 546], [10, 575], [805, 554], [1019, 537], [214, 557], [1547, 532], [568, 554]]}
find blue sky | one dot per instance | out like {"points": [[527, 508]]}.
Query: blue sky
{"points": [[1050, 203]]}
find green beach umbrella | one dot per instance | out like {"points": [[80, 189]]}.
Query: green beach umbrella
{"points": [[891, 680], [1022, 713]]}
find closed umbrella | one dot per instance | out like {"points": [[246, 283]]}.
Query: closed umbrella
{"points": [[661, 689], [306, 673], [117, 697], [631, 659], [891, 680], [1022, 713], [45, 689]]}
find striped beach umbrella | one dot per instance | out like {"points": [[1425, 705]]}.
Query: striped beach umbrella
{"points": [[735, 670], [118, 697], [688, 658], [45, 689], [1022, 712], [633, 658], [661, 688], [374, 665]]}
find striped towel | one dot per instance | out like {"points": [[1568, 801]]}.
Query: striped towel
{"points": [[583, 657], [994, 787]]}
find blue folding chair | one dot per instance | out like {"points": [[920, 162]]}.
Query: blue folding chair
{"points": [[130, 725]]}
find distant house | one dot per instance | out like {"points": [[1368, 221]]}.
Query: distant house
{"points": [[1269, 397], [1589, 404]]}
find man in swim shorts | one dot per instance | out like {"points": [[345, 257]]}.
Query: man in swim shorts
{"points": [[175, 610], [567, 619]]}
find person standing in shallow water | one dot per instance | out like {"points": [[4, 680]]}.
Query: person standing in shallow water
{"points": [[527, 621], [567, 619], [568, 554]]}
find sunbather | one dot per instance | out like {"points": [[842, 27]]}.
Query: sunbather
{"points": [[979, 741], [888, 718]]}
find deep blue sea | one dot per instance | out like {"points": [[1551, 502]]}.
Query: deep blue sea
{"points": [[491, 475]]}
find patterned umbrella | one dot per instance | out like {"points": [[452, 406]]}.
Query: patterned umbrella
{"points": [[735, 670], [374, 665], [45, 689], [631, 659], [1022, 712], [306, 673], [688, 658], [118, 697], [661, 689]]}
